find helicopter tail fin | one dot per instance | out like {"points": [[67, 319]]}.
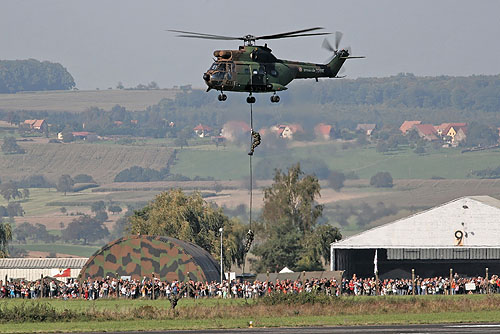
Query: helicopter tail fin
{"points": [[335, 64]]}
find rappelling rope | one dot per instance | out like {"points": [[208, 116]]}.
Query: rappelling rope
{"points": [[250, 234], [251, 169]]}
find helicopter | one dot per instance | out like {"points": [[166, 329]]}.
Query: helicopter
{"points": [[254, 69]]}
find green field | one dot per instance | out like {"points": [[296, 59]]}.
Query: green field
{"points": [[232, 163], [129, 315]]}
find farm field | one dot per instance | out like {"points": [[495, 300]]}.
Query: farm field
{"points": [[62, 250], [101, 161], [106, 159], [80, 101]]}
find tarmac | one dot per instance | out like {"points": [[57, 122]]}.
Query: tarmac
{"points": [[404, 329]]}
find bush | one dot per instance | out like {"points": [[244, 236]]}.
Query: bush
{"points": [[382, 180], [35, 181], [336, 180], [83, 178], [278, 298], [138, 174], [81, 187], [35, 312]]}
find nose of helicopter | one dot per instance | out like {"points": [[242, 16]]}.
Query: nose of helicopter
{"points": [[206, 77]]}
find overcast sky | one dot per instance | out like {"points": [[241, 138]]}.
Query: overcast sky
{"points": [[102, 42]]}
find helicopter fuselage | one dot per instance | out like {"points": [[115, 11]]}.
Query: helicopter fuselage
{"points": [[255, 69]]}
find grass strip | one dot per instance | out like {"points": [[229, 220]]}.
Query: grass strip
{"points": [[276, 321]]}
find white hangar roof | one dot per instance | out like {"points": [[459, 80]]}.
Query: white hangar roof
{"points": [[470, 222], [42, 263]]}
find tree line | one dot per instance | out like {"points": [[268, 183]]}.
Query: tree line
{"points": [[343, 103], [33, 75]]}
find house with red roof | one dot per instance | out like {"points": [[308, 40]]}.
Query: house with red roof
{"points": [[323, 131], [39, 125], [233, 130], [426, 131], [202, 130], [408, 125], [287, 131], [367, 129]]}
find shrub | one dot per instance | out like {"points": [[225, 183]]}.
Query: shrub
{"points": [[83, 178], [336, 180], [382, 180]]}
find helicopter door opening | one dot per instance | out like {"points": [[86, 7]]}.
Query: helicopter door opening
{"points": [[258, 77], [228, 79]]}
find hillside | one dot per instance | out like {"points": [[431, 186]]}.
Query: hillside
{"points": [[101, 161]]}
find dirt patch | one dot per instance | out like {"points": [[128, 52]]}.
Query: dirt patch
{"points": [[46, 254]]}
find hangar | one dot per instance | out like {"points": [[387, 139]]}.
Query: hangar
{"points": [[463, 235], [165, 258], [32, 269]]}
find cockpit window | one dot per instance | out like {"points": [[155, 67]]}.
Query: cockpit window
{"points": [[218, 67]]}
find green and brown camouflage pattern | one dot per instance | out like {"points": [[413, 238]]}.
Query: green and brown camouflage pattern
{"points": [[254, 68], [141, 256]]}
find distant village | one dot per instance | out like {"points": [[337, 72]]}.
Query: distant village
{"points": [[450, 134]]}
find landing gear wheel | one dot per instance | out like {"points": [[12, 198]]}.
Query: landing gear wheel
{"points": [[250, 99], [275, 98], [222, 97]]}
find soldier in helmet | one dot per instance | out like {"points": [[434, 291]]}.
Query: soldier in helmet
{"points": [[255, 141]]}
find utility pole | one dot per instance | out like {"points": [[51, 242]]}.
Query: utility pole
{"points": [[221, 267]]}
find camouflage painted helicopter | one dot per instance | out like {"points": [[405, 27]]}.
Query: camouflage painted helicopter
{"points": [[254, 69]]}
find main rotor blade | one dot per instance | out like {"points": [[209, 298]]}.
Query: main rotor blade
{"points": [[200, 34], [225, 38], [300, 35], [338, 37], [326, 45], [286, 34]]}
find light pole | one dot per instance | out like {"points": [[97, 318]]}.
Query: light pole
{"points": [[221, 268]]}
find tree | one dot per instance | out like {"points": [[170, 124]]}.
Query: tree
{"points": [[83, 178], [189, 218], [481, 135], [5, 237], [292, 197], [179, 141], [15, 209], [33, 232], [382, 147], [65, 183], [97, 206], [26, 193], [33, 75], [115, 209], [420, 149], [85, 228], [68, 136], [101, 216], [381, 180], [10, 191], [289, 217], [336, 180], [324, 235], [10, 146]]}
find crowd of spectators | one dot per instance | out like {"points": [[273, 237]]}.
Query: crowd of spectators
{"points": [[154, 288]]}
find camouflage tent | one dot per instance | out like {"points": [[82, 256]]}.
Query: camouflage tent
{"points": [[166, 258]]}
